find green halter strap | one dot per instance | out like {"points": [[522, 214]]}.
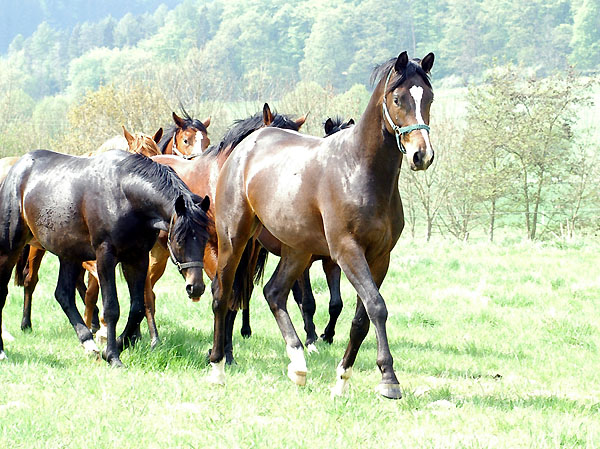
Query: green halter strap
{"points": [[399, 130]]}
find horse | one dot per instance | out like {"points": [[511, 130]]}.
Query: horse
{"points": [[333, 197], [200, 174], [301, 289], [187, 138], [111, 208], [28, 265]]}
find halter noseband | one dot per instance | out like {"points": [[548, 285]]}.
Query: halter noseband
{"points": [[399, 130], [180, 266]]}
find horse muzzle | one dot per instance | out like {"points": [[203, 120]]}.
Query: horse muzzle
{"points": [[195, 291]]}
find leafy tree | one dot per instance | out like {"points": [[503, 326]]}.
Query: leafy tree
{"points": [[586, 36]]}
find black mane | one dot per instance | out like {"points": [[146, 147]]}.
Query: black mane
{"points": [[413, 68], [189, 122], [243, 128], [165, 182], [337, 124]]}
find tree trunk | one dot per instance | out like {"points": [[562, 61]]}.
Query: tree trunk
{"points": [[492, 219]]}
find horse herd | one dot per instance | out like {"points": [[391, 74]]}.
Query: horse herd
{"points": [[221, 209]]}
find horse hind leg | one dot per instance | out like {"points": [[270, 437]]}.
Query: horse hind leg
{"points": [[30, 280], [333, 275], [290, 267], [65, 295], [7, 262]]}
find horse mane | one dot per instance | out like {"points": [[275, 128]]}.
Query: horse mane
{"points": [[165, 182], [337, 124], [189, 122], [244, 127], [412, 68]]}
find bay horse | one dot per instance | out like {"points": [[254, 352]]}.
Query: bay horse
{"points": [[301, 289], [28, 265], [110, 208], [187, 138], [201, 174], [332, 197]]}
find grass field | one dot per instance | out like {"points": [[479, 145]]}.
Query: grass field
{"points": [[495, 346]]}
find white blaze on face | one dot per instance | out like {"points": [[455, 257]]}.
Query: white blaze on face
{"points": [[417, 93], [197, 148]]}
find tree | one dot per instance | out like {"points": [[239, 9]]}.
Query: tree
{"points": [[586, 36]]}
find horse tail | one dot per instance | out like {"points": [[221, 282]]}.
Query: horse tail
{"points": [[242, 282], [21, 267], [261, 262]]}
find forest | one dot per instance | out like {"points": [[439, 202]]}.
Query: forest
{"points": [[513, 122]]}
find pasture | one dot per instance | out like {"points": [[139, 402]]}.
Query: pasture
{"points": [[495, 346]]}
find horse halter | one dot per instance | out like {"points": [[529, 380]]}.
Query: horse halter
{"points": [[180, 266], [399, 130]]}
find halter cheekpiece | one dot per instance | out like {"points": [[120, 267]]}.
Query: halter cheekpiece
{"points": [[180, 266], [398, 130]]}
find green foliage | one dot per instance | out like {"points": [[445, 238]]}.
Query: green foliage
{"points": [[586, 36]]}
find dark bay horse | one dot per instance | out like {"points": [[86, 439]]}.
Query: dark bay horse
{"points": [[333, 197], [110, 208], [301, 289], [28, 266], [187, 138], [201, 174]]}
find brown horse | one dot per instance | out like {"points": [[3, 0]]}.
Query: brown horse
{"points": [[301, 289], [27, 268], [187, 138], [332, 197], [201, 174]]}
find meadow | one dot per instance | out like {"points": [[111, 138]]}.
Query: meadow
{"points": [[495, 346]]}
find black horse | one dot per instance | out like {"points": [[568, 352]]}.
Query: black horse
{"points": [[111, 208]]}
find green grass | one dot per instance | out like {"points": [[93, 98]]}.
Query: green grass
{"points": [[495, 346]]}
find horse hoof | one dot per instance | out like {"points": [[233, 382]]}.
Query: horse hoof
{"points": [[154, 343], [327, 338], [390, 391], [310, 348], [217, 374], [26, 327], [3, 356], [229, 360], [101, 335], [90, 348], [116, 363], [246, 333], [296, 376]]}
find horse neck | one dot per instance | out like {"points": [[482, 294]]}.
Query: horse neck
{"points": [[144, 195], [375, 147]]}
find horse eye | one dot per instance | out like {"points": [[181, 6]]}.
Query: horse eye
{"points": [[185, 141], [396, 101]]}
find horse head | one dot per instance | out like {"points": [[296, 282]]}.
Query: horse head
{"points": [[143, 144], [191, 136], [187, 237], [406, 100]]}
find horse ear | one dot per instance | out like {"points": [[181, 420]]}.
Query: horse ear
{"points": [[401, 62], [205, 204], [180, 206], [267, 115], [206, 122], [427, 62], [300, 121], [178, 120], [328, 126], [350, 122], [128, 136], [158, 135]]}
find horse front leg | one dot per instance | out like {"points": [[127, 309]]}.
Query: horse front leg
{"points": [[106, 263], [366, 279], [65, 295], [303, 295], [7, 263], [156, 268], [333, 274], [135, 274]]}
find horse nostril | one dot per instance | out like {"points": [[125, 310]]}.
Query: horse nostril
{"points": [[189, 288], [431, 160], [417, 160]]}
